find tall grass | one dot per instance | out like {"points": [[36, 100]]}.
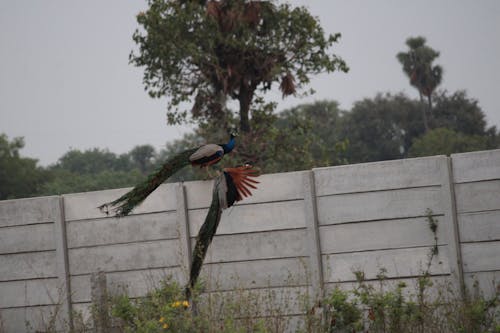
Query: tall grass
{"points": [[371, 307]]}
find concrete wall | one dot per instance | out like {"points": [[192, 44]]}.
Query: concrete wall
{"points": [[477, 192], [300, 232]]}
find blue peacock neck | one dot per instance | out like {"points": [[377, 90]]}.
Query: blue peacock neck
{"points": [[228, 147]]}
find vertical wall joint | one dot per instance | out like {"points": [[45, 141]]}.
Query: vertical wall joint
{"points": [[313, 241], [62, 261], [453, 235], [183, 227]]}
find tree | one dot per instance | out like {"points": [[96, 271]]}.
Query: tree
{"points": [[445, 141], [417, 65], [459, 113], [381, 128], [98, 169], [210, 51], [64, 181], [143, 156], [19, 176], [322, 123], [92, 161]]}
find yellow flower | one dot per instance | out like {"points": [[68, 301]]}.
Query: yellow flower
{"points": [[176, 304], [165, 325], [162, 319]]}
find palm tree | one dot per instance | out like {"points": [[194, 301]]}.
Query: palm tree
{"points": [[417, 64]]}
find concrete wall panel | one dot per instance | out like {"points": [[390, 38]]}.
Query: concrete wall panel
{"points": [[367, 177], [25, 266], [122, 230], [29, 293], [132, 283], [410, 262], [256, 274], [477, 227], [32, 319], [379, 205], [475, 166], [26, 211], [252, 218], [485, 284], [374, 235], [480, 257], [80, 206], [122, 257], [27, 238], [478, 196], [261, 245]]}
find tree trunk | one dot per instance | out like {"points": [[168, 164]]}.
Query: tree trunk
{"points": [[245, 99], [424, 113], [429, 105]]}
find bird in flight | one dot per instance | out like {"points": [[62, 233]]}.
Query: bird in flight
{"points": [[202, 156]]}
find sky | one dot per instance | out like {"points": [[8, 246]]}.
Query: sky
{"points": [[65, 80]]}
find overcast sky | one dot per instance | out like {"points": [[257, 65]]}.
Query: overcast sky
{"points": [[65, 81]]}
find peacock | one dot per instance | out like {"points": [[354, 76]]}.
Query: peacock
{"points": [[203, 156], [232, 185]]}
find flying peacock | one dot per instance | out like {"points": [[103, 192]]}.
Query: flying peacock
{"points": [[203, 156], [231, 186]]}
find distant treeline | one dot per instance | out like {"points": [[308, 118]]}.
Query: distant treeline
{"points": [[310, 135]]}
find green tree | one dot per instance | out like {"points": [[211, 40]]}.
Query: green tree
{"points": [[381, 128], [98, 169], [445, 141], [143, 156], [460, 113], [322, 122], [210, 51], [64, 181], [19, 176], [385, 127], [417, 65], [92, 161]]}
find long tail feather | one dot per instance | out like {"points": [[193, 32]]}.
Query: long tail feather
{"points": [[230, 184], [127, 202], [203, 240]]}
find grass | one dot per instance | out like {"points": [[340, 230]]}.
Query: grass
{"points": [[426, 307]]}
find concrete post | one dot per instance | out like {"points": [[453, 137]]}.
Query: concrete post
{"points": [[99, 297], [183, 227], [313, 241], [452, 231], [62, 261]]}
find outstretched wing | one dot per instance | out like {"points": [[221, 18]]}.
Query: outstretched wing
{"points": [[241, 179], [127, 202]]}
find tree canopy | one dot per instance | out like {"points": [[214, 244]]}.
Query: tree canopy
{"points": [[19, 176], [445, 141], [388, 126], [204, 52], [381, 128]]}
